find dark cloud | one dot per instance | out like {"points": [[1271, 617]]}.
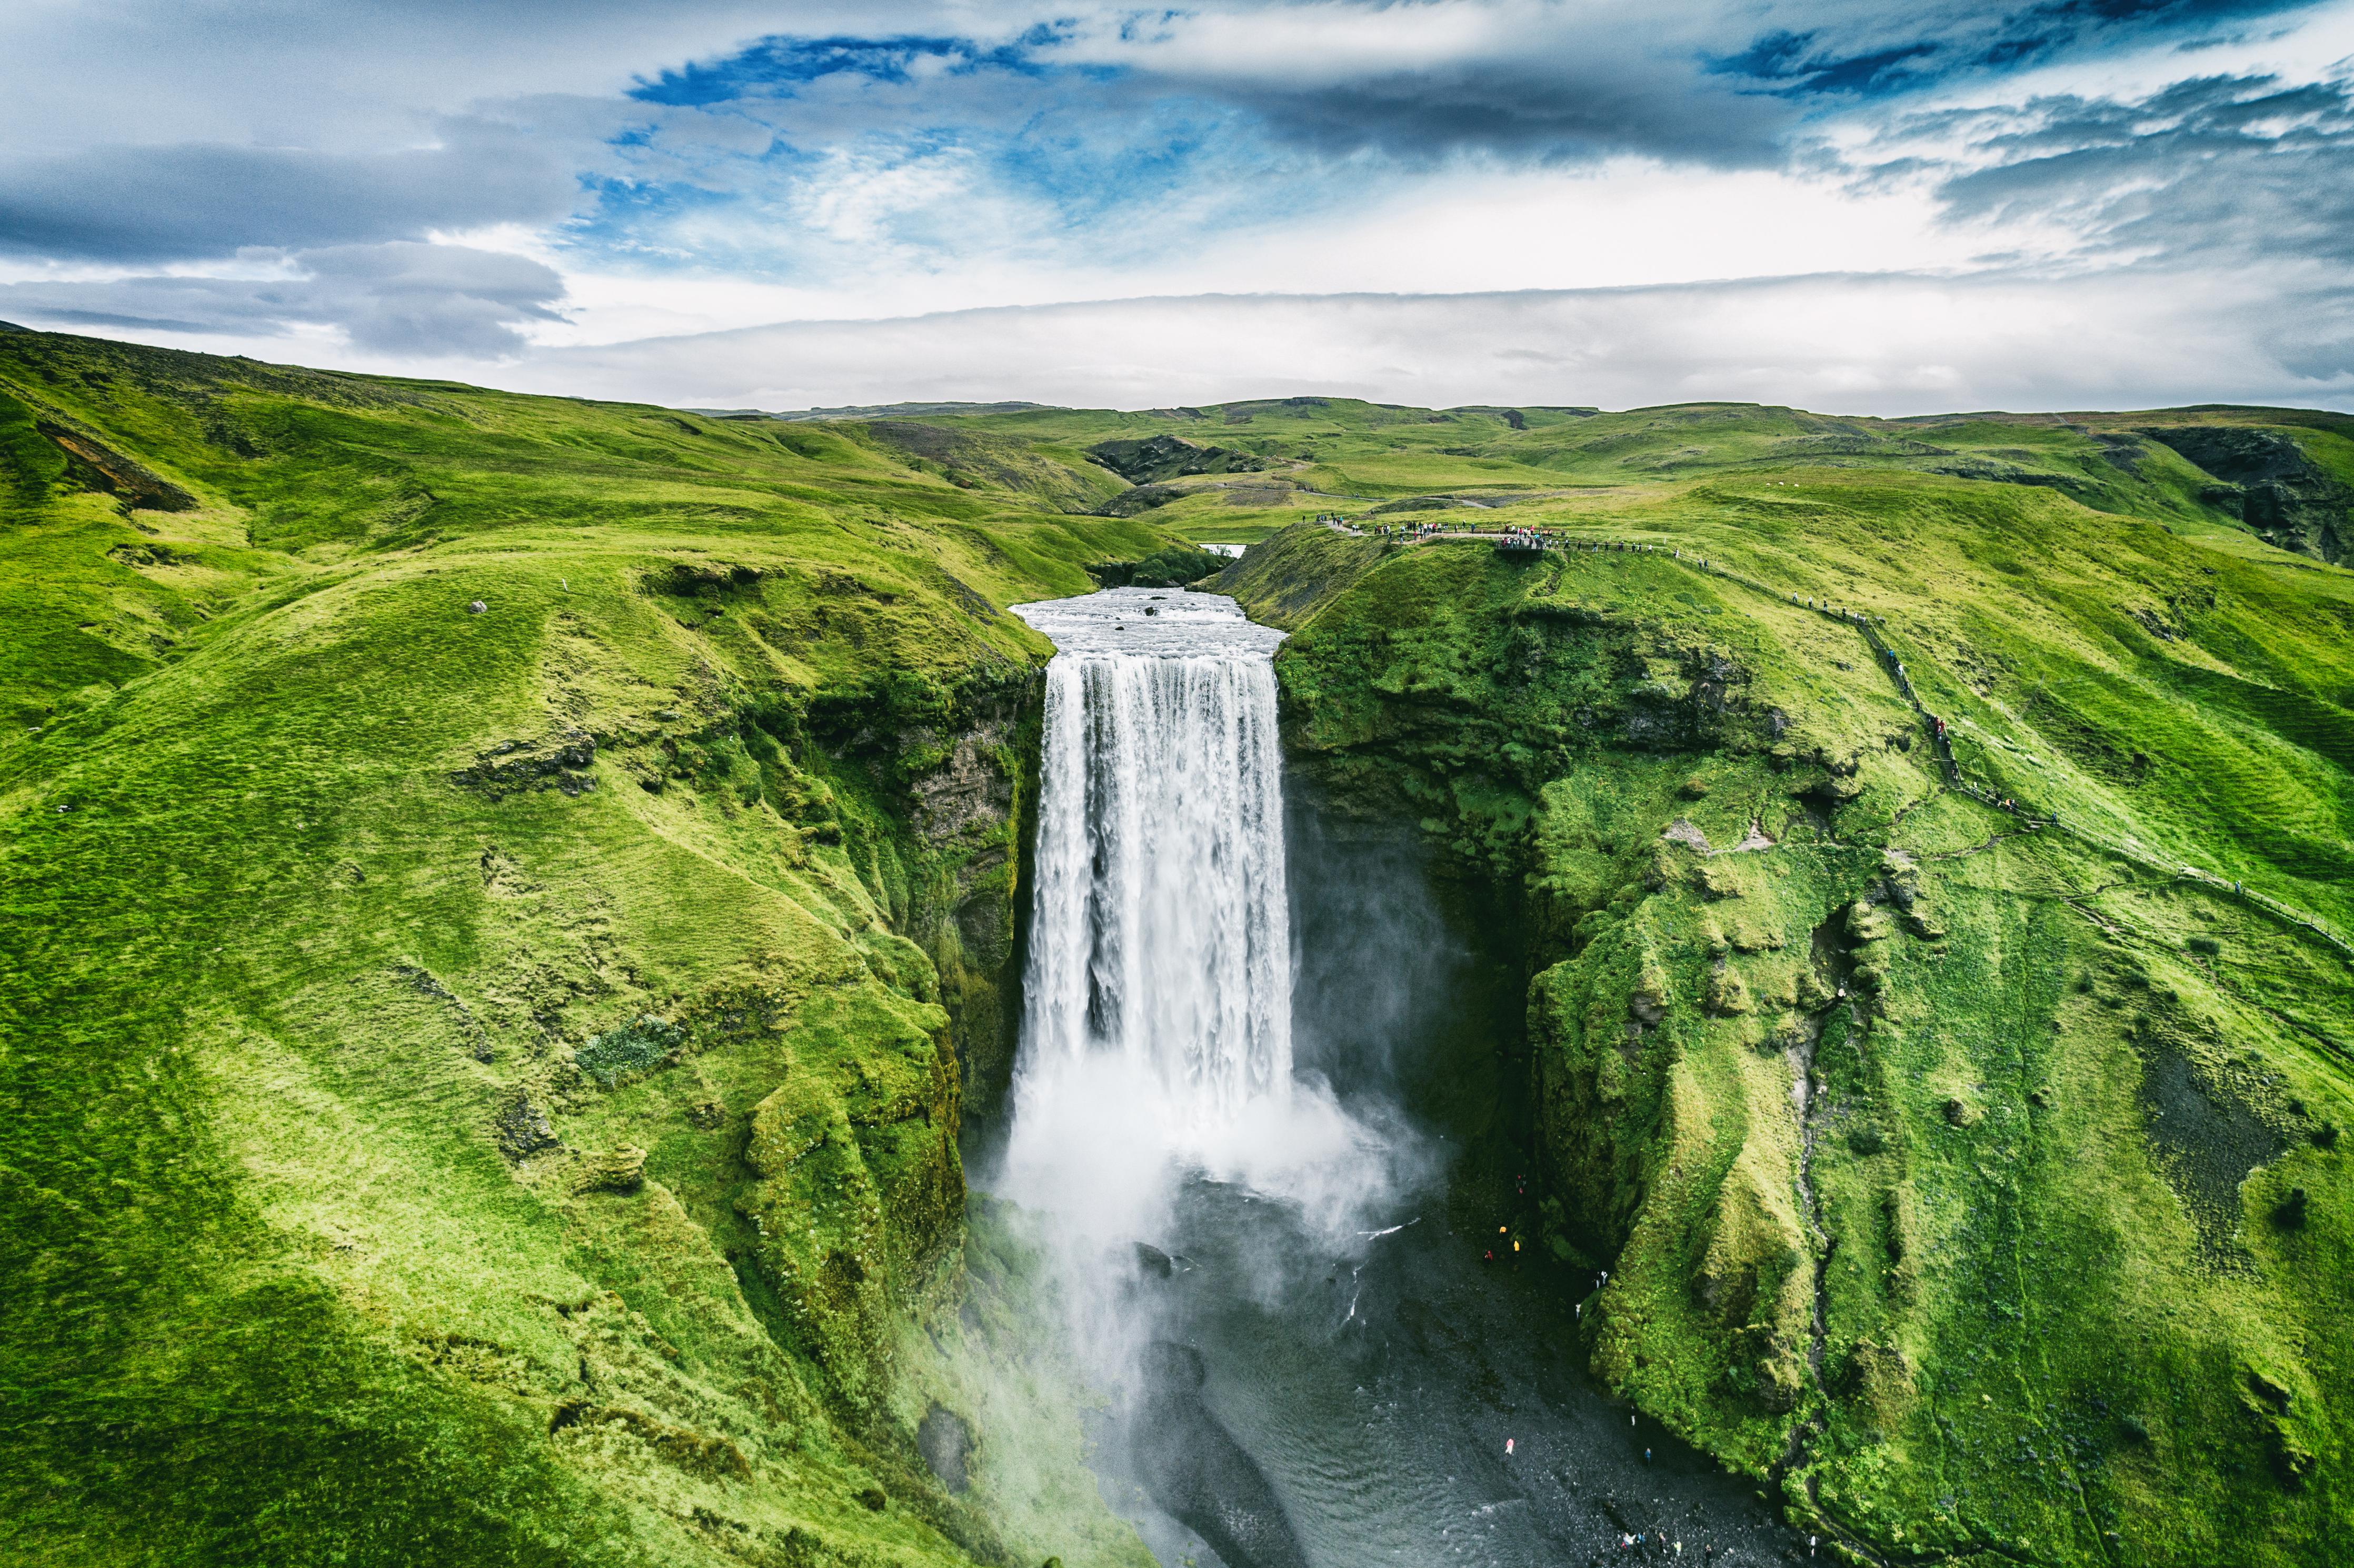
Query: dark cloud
{"points": [[400, 297], [129, 205], [1526, 111], [1707, 82], [1867, 57], [1798, 64], [2220, 168]]}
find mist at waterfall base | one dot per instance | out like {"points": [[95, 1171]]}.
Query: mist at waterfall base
{"points": [[1287, 1285]]}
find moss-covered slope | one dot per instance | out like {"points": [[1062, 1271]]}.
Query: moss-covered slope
{"points": [[493, 895], [1978, 1176]]}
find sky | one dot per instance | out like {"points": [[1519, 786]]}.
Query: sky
{"points": [[1874, 209]]}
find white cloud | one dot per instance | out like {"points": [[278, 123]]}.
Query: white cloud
{"points": [[1868, 344]]}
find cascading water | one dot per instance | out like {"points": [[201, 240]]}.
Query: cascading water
{"points": [[1157, 1032], [1244, 1261], [1162, 930]]}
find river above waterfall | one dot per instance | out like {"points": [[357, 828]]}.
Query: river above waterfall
{"points": [[1163, 622], [1275, 1208]]}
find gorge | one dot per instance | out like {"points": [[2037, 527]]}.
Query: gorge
{"points": [[1269, 1265]]}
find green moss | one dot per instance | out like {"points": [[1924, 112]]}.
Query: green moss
{"points": [[1888, 1215], [632, 1048]]}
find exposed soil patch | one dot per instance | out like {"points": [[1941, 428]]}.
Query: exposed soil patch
{"points": [[2206, 1141], [96, 466]]}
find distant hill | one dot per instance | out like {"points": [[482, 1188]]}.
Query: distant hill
{"points": [[869, 411]]}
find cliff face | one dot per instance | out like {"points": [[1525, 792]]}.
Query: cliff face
{"points": [[1959, 1169], [2275, 486], [499, 902]]}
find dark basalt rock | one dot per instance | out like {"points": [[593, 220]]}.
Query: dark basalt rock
{"points": [[523, 1130], [2279, 492], [558, 762], [1197, 1472]]}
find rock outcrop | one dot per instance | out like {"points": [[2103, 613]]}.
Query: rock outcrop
{"points": [[2271, 484], [1154, 459]]}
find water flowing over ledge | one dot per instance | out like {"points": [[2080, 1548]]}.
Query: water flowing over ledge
{"points": [[1157, 1030], [1162, 933], [1238, 1236]]}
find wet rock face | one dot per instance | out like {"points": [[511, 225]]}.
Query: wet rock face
{"points": [[969, 817], [973, 790], [2277, 491]]}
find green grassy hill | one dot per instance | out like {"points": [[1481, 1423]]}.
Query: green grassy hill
{"points": [[505, 903], [500, 899], [1968, 1160], [2282, 476]]}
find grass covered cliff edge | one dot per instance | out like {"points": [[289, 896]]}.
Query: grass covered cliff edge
{"points": [[505, 904], [1969, 1165]]}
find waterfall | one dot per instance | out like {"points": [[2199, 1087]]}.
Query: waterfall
{"points": [[1160, 930], [1156, 1031]]}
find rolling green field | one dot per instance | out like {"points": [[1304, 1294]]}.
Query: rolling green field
{"points": [[507, 905]]}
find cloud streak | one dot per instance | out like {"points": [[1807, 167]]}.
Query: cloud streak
{"points": [[205, 201], [397, 299], [1853, 344]]}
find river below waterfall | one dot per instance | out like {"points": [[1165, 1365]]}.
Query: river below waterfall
{"points": [[1273, 1228]]}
